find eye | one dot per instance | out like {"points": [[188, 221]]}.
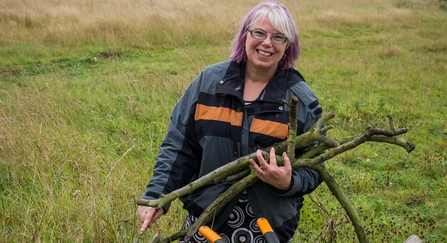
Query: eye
{"points": [[259, 33], [279, 38]]}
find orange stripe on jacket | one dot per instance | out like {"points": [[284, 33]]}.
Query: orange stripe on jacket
{"points": [[222, 114], [270, 128]]}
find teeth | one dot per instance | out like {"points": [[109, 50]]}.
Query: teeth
{"points": [[264, 53]]}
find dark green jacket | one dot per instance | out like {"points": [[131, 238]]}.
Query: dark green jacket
{"points": [[210, 126]]}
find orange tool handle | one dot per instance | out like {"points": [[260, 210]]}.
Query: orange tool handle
{"points": [[210, 235], [264, 225], [267, 231]]}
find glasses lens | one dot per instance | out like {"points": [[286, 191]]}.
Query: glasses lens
{"points": [[257, 34], [279, 39]]}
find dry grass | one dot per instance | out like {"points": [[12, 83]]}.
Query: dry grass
{"points": [[116, 22], [78, 137]]}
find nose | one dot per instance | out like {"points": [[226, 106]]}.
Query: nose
{"points": [[267, 41]]}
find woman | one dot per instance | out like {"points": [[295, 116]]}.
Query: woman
{"points": [[233, 108]]}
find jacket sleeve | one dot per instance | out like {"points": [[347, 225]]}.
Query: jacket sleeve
{"points": [[180, 152], [304, 179]]}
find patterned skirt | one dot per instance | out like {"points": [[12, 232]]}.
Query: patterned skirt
{"points": [[241, 226]]}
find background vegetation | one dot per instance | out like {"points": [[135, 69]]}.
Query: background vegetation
{"points": [[86, 89]]}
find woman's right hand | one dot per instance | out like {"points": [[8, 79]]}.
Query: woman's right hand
{"points": [[148, 215]]}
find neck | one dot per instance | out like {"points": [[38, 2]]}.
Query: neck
{"points": [[258, 75]]}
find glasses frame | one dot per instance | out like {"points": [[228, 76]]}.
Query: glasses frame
{"points": [[272, 37]]}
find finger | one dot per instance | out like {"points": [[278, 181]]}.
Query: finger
{"points": [[145, 225], [157, 214], [141, 213], [273, 157], [260, 174], [261, 160], [255, 166], [148, 216], [287, 164]]}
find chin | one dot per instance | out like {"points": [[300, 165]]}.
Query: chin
{"points": [[262, 64]]}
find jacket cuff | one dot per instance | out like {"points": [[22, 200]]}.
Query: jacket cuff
{"points": [[286, 193]]}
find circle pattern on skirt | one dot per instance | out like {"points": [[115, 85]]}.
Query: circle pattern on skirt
{"points": [[242, 235], [236, 218]]}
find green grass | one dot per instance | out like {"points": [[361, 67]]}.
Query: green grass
{"points": [[79, 132]]}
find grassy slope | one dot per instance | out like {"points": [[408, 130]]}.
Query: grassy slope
{"points": [[78, 135]]}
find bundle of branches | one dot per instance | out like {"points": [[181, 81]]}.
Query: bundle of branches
{"points": [[240, 172]]}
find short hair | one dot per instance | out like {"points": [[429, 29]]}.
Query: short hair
{"points": [[281, 19]]}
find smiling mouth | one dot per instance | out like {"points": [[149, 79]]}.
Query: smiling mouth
{"points": [[266, 54]]}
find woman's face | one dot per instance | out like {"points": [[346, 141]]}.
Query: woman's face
{"points": [[264, 53]]}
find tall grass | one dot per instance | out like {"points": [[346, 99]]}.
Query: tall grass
{"points": [[87, 87]]}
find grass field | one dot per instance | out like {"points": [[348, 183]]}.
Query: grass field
{"points": [[87, 87]]}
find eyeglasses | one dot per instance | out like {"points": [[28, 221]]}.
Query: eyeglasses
{"points": [[261, 35]]}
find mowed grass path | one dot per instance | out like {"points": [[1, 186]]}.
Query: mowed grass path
{"points": [[86, 90]]}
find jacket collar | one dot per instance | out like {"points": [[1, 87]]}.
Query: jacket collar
{"points": [[232, 83]]}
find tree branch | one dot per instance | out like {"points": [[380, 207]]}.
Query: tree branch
{"points": [[240, 171], [359, 224]]}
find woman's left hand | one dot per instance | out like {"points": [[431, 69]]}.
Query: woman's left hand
{"points": [[278, 176]]}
